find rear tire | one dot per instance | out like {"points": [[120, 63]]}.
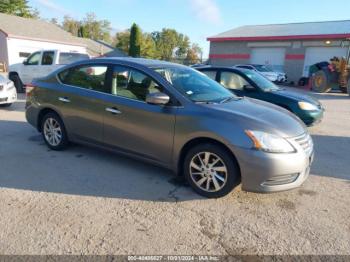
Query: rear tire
{"points": [[54, 132], [211, 170], [321, 82], [18, 83]]}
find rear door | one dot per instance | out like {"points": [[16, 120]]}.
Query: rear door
{"points": [[132, 125], [82, 101], [47, 63]]}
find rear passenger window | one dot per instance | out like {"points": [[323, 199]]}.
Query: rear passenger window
{"points": [[132, 84], [210, 74], [92, 77], [48, 58]]}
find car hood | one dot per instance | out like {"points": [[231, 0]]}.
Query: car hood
{"points": [[296, 96], [258, 115]]}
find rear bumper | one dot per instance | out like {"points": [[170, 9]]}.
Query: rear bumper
{"points": [[266, 172]]}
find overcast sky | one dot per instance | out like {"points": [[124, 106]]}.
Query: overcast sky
{"points": [[196, 18]]}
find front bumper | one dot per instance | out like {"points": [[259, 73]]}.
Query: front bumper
{"points": [[8, 96], [267, 172], [311, 117]]}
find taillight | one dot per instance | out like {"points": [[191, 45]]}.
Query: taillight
{"points": [[29, 88]]}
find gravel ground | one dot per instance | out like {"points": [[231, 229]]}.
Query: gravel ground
{"points": [[87, 201]]}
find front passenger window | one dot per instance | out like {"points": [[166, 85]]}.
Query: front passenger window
{"points": [[132, 84], [233, 81], [33, 59]]}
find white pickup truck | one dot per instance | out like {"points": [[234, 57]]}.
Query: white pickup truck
{"points": [[40, 64]]}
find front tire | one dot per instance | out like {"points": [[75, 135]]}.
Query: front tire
{"points": [[54, 132], [18, 83], [211, 170]]}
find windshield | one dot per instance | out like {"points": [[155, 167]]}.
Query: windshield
{"points": [[195, 85], [262, 68], [261, 81]]}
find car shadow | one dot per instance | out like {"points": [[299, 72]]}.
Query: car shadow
{"points": [[28, 164]]}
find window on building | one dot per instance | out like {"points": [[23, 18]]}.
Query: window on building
{"points": [[92, 77], [24, 54], [132, 84], [48, 57], [233, 81]]}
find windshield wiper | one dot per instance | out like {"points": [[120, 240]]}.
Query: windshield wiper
{"points": [[228, 99]]}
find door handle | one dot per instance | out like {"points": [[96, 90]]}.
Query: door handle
{"points": [[64, 99], [113, 110]]}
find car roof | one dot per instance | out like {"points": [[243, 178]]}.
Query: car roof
{"points": [[150, 63], [231, 68]]}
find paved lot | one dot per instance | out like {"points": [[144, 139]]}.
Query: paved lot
{"points": [[87, 201]]}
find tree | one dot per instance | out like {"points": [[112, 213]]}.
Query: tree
{"points": [[89, 27], [183, 46], [95, 29], [71, 25], [122, 40], [148, 47], [194, 55], [135, 41], [18, 8], [166, 42]]}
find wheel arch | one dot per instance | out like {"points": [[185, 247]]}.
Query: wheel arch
{"points": [[197, 141], [44, 111]]}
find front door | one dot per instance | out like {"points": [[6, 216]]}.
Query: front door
{"points": [[132, 125], [30, 68]]}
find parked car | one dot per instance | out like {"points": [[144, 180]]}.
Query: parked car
{"points": [[175, 117], [245, 82], [269, 73], [40, 64], [8, 94]]}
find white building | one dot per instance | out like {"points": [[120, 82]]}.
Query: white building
{"points": [[19, 37]]}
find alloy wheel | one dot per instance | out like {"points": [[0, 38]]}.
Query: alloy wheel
{"points": [[208, 171], [52, 132]]}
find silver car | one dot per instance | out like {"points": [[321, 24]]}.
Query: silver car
{"points": [[8, 94], [175, 117]]}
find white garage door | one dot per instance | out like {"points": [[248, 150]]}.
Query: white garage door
{"points": [[268, 56], [319, 54]]}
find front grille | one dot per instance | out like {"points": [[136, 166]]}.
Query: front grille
{"points": [[3, 99], [305, 141], [281, 180]]}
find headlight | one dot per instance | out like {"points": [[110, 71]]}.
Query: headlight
{"points": [[269, 142], [307, 106]]}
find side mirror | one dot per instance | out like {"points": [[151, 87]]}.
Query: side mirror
{"points": [[157, 99], [249, 88], [25, 62]]}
